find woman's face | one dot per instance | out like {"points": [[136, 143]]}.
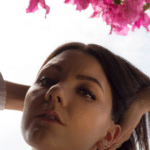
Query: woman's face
{"points": [[86, 120]]}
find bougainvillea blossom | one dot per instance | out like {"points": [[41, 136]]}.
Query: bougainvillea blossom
{"points": [[147, 1], [118, 16], [143, 20], [116, 13], [33, 6]]}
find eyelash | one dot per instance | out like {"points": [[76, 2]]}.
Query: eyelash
{"points": [[87, 90]]}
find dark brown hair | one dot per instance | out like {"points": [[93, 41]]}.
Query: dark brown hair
{"points": [[125, 81]]}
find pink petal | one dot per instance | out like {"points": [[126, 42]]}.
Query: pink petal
{"points": [[69, 1], [97, 5], [122, 30], [147, 1], [144, 20], [42, 3], [81, 4], [33, 6], [95, 14], [119, 30]]}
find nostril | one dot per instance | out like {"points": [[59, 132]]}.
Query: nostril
{"points": [[50, 96], [58, 99]]}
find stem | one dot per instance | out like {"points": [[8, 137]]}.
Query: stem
{"points": [[147, 6]]}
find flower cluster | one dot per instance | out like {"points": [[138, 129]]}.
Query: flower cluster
{"points": [[119, 14]]}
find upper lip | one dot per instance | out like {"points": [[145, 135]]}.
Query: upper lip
{"points": [[50, 113]]}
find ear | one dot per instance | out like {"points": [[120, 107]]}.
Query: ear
{"points": [[111, 137]]}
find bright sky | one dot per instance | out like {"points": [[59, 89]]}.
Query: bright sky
{"points": [[26, 40]]}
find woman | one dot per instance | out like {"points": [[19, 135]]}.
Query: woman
{"points": [[94, 110]]}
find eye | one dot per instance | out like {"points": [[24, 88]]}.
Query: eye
{"points": [[89, 93], [48, 81]]}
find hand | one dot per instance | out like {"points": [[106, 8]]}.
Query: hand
{"points": [[132, 117]]}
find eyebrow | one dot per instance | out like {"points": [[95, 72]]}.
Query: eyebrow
{"points": [[79, 76]]}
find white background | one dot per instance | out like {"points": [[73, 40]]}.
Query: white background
{"points": [[26, 40]]}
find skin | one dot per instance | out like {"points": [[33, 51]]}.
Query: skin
{"points": [[15, 95], [88, 123]]}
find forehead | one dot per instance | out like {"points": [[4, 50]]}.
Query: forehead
{"points": [[74, 62], [77, 59]]}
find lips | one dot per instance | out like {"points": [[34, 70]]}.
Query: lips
{"points": [[49, 112]]}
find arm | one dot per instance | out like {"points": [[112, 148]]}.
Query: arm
{"points": [[133, 115], [143, 100], [15, 95]]}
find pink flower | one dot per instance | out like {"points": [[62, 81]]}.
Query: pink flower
{"points": [[33, 6], [143, 20], [118, 16], [120, 30], [147, 1]]}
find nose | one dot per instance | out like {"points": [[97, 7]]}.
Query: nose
{"points": [[54, 94]]}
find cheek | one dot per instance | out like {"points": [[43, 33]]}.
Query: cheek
{"points": [[29, 112], [90, 125], [32, 103], [34, 94]]}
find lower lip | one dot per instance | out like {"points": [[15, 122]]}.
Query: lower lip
{"points": [[47, 120]]}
